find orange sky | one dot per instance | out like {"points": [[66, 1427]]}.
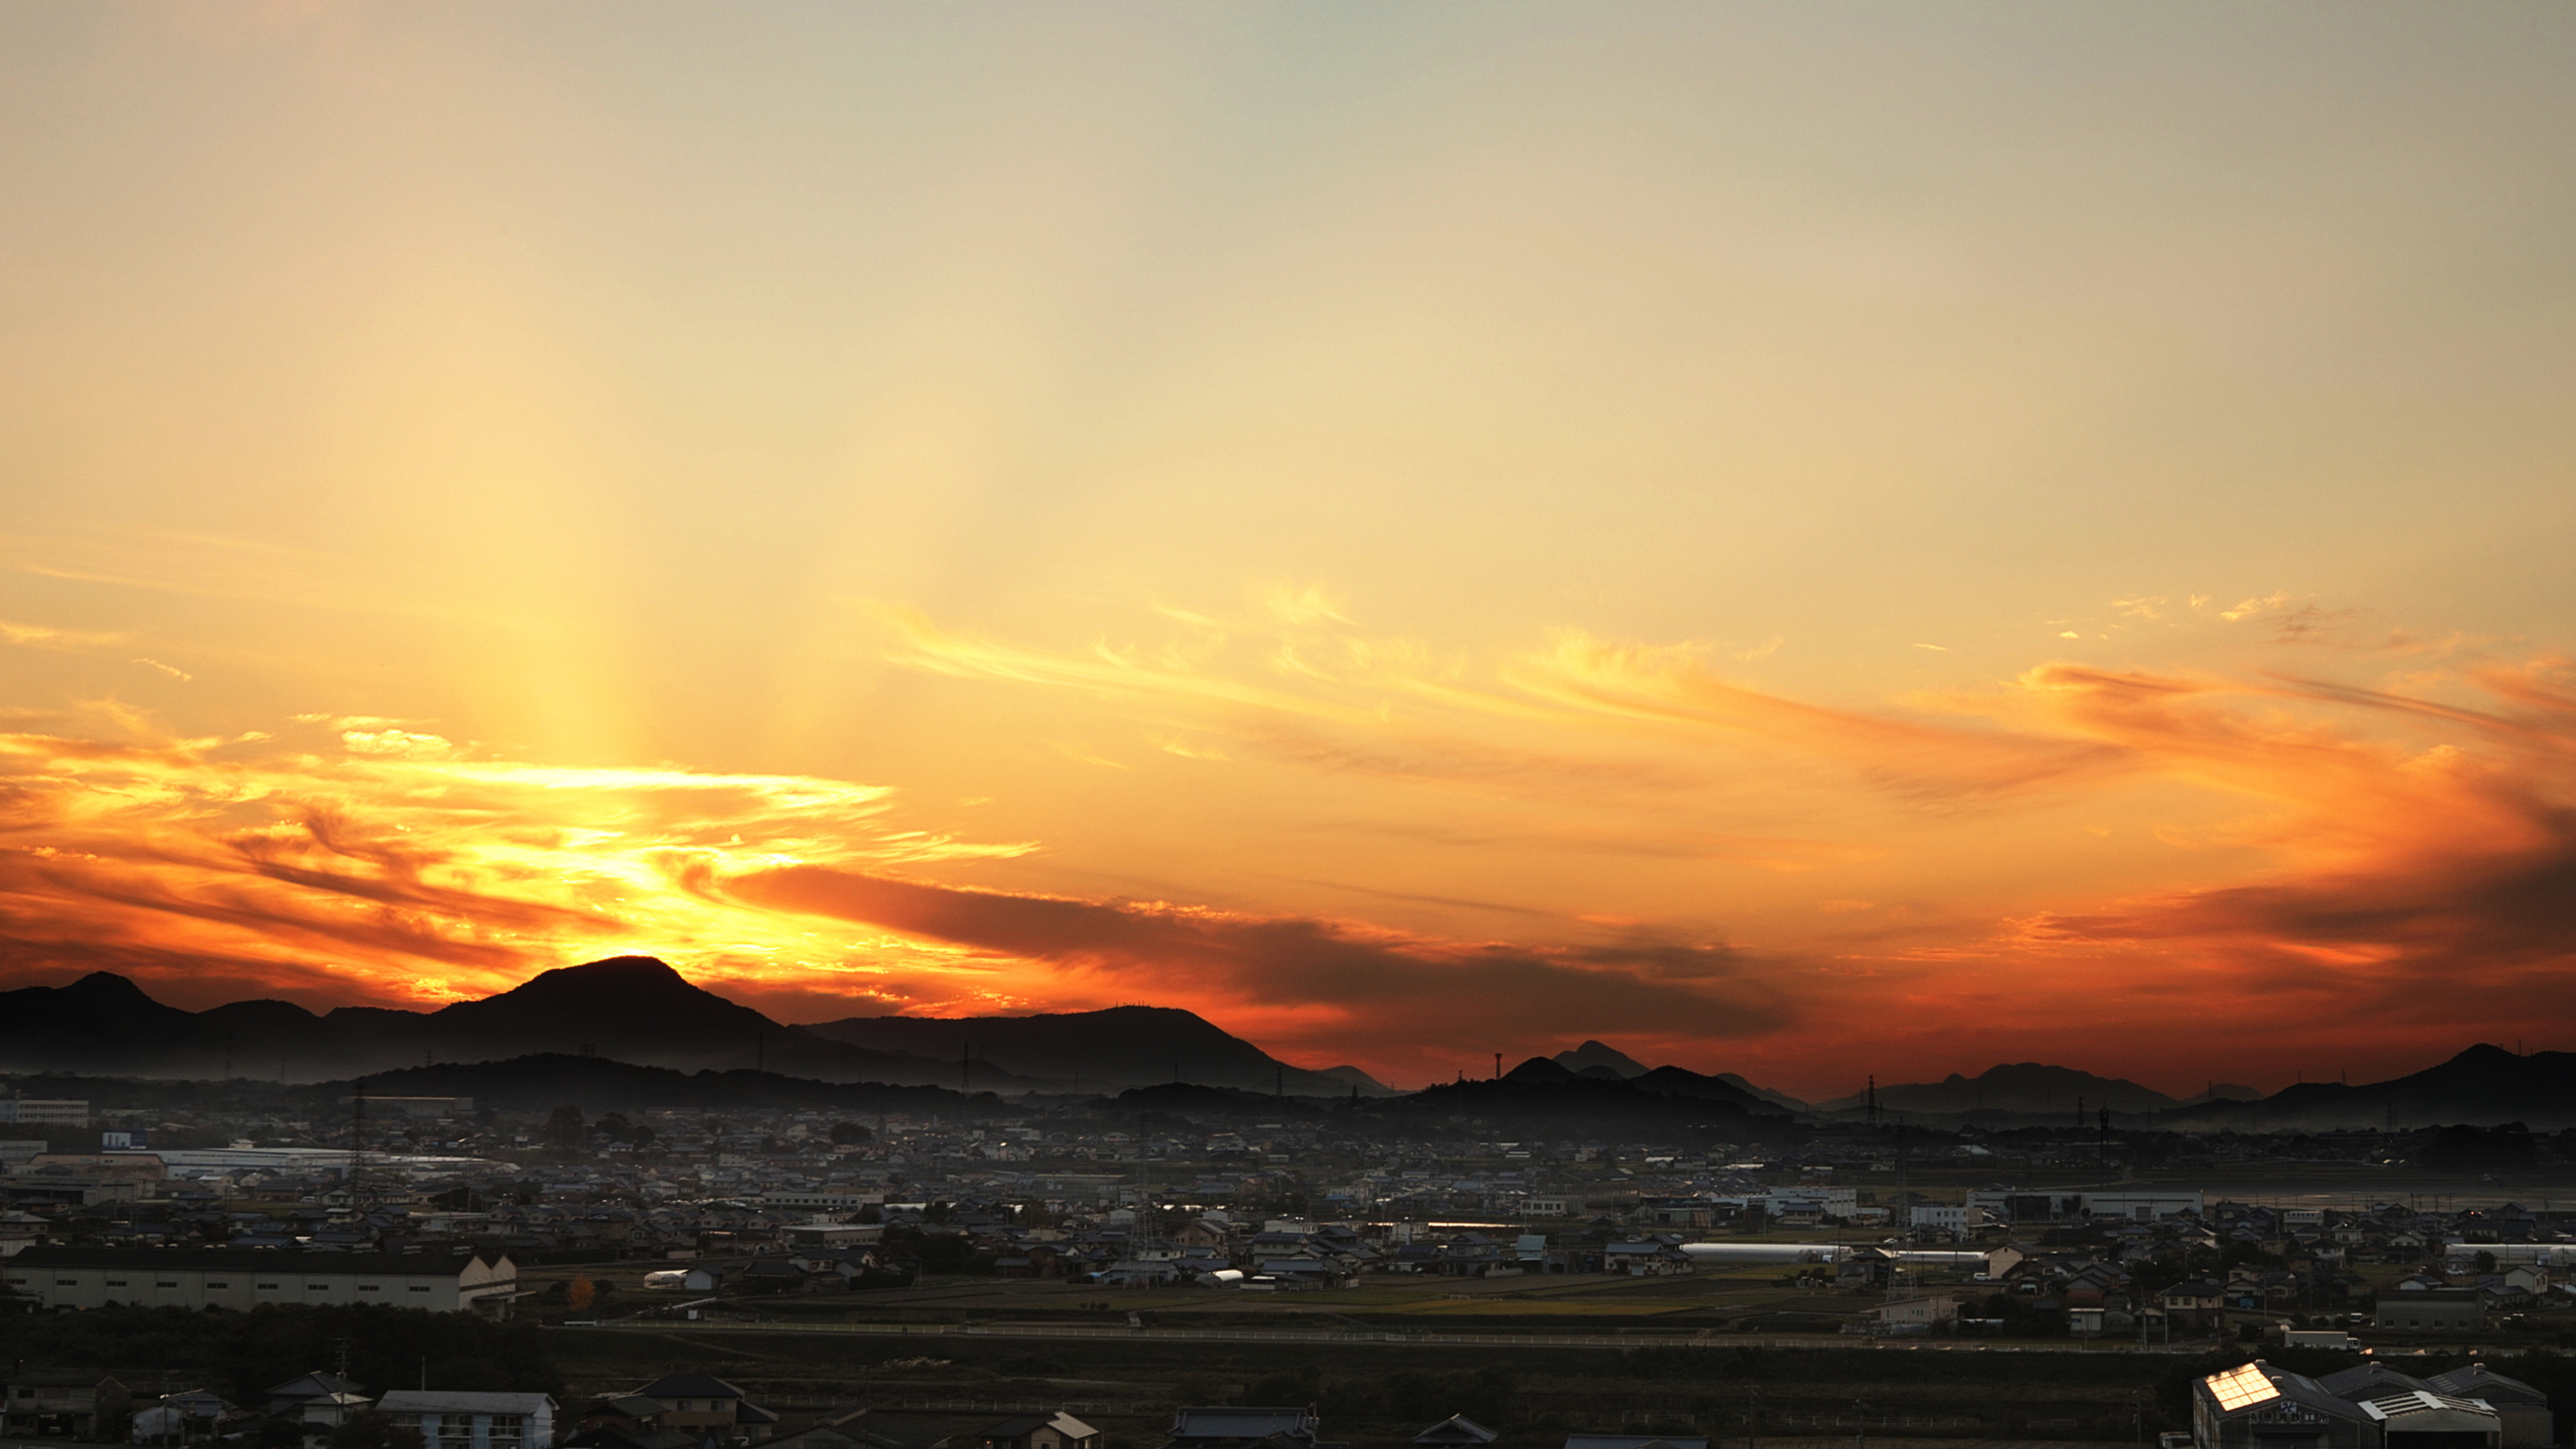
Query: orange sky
{"points": [[1806, 541]]}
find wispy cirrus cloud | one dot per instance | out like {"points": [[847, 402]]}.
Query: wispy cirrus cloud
{"points": [[2420, 851], [2379, 842], [1927, 760], [40, 636]]}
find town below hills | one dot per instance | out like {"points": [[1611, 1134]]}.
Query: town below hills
{"points": [[633, 1031]]}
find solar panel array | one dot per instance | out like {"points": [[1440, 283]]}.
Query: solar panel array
{"points": [[2238, 1388]]}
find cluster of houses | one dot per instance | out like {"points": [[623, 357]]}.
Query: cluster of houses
{"points": [[795, 1202], [84, 1405], [2150, 1264], [671, 1182], [2190, 1273], [676, 1411], [1208, 1250]]}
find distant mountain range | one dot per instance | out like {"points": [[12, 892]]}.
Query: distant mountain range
{"points": [[1657, 1082], [2484, 1085], [632, 1009], [2021, 1089], [1145, 1044], [636, 1012], [1607, 1063], [596, 1085]]}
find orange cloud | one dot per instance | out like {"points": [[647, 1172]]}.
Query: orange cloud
{"points": [[2276, 860], [2422, 882], [357, 873], [1348, 986]]}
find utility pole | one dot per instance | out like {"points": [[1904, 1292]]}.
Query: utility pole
{"points": [[357, 1142], [1905, 1216], [1498, 1066]]}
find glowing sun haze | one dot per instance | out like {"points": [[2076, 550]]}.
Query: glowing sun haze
{"points": [[1799, 540]]}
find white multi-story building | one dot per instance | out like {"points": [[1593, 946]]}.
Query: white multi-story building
{"points": [[48, 1111]]}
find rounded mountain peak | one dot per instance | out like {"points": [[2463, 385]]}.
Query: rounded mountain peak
{"points": [[106, 986], [625, 978]]}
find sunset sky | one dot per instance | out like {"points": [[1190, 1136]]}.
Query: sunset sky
{"points": [[1803, 540]]}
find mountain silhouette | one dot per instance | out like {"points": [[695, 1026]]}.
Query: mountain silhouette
{"points": [[1105, 1051], [1777, 1099], [1660, 1082], [638, 1011], [2029, 1089], [2484, 1084], [1670, 1081], [1593, 1059], [630, 1008], [633, 1009], [1543, 1072]]}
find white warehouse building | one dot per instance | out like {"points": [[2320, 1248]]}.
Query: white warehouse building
{"points": [[242, 1278]]}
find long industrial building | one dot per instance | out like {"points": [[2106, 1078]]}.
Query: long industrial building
{"points": [[249, 1277], [2014, 1205]]}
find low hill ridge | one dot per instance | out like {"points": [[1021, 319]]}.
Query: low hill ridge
{"points": [[2035, 1089], [638, 1010], [2484, 1084], [1106, 1050]]}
